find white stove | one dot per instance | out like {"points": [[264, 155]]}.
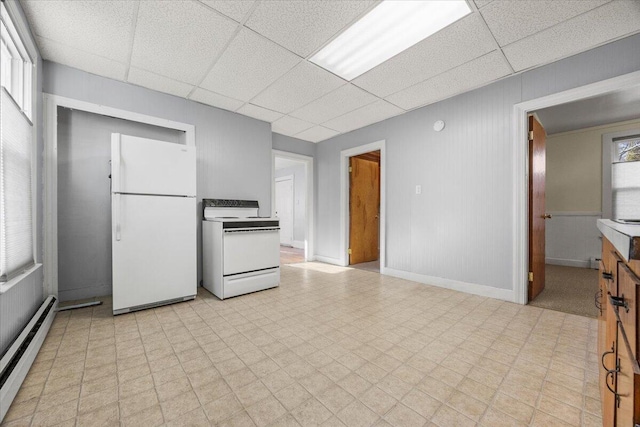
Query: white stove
{"points": [[241, 251]]}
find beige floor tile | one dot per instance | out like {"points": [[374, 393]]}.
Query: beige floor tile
{"points": [[292, 396], [335, 398], [567, 413], [252, 393], [212, 390], [138, 402], [311, 412], [241, 419], [91, 402], [56, 414], [378, 401], [105, 415], [178, 405], [222, 408], [266, 411], [357, 415], [401, 416], [354, 384], [446, 417], [151, 416], [421, 403], [512, 407]]}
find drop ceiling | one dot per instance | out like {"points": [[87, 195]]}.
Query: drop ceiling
{"points": [[251, 57]]}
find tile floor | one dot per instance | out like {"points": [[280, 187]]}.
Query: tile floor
{"points": [[330, 346]]}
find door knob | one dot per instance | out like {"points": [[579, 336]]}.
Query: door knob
{"points": [[546, 216]]}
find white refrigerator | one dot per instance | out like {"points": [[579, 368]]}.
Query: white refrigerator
{"points": [[153, 221]]}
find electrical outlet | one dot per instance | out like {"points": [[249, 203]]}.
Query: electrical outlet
{"points": [[418, 189]]}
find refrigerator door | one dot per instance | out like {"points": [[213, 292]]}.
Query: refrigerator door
{"points": [[147, 166], [154, 250]]}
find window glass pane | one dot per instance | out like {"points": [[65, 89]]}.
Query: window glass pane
{"points": [[627, 150]]}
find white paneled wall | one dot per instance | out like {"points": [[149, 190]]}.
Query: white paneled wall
{"points": [[572, 238]]}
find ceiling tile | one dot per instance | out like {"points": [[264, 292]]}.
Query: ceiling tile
{"points": [[608, 22], [510, 21], [364, 116], [342, 100], [159, 83], [289, 126], [259, 61], [91, 26], [303, 26], [259, 113], [215, 100], [179, 39], [316, 134], [234, 9], [303, 84], [56, 52], [473, 74], [458, 43]]}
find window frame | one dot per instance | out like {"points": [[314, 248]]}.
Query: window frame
{"points": [[609, 141], [15, 22]]}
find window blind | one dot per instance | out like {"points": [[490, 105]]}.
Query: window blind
{"points": [[16, 241], [625, 186]]}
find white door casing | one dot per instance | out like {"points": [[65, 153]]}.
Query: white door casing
{"points": [[284, 208]]}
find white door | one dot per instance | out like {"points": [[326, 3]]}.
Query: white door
{"points": [[154, 249], [284, 209], [147, 166]]}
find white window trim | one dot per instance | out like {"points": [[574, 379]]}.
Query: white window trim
{"points": [[11, 9], [51, 104]]}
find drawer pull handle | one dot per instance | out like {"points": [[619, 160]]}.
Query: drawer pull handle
{"points": [[607, 276], [617, 396], [597, 300], [605, 354], [619, 302]]}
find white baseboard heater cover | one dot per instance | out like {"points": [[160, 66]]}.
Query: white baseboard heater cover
{"points": [[16, 362]]}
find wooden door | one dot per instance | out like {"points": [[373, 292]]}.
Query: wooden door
{"points": [[284, 210], [537, 216], [364, 207]]}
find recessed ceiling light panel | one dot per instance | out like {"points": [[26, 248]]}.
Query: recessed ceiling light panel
{"points": [[388, 29]]}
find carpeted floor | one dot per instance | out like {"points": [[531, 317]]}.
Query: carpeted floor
{"points": [[569, 289]]}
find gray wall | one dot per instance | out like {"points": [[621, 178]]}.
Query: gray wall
{"points": [[233, 151], [299, 200], [462, 225], [84, 199], [19, 303], [293, 145]]}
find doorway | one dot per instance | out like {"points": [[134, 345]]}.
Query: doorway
{"points": [[364, 211], [291, 203], [570, 168], [520, 182]]}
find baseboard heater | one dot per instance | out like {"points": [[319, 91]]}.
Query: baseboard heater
{"points": [[16, 362]]}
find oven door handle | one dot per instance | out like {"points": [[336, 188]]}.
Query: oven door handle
{"points": [[250, 230]]}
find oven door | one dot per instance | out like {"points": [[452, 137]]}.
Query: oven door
{"points": [[251, 249]]}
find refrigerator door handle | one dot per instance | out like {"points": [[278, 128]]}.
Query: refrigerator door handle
{"points": [[116, 160], [116, 216]]}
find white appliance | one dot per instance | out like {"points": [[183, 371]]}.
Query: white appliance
{"points": [[153, 221], [241, 251]]}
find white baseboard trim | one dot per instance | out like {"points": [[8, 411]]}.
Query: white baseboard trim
{"points": [[470, 288], [329, 260], [10, 388], [568, 262], [298, 244]]}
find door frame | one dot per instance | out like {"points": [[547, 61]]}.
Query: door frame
{"points": [[293, 204], [309, 248], [344, 199], [521, 169], [50, 174]]}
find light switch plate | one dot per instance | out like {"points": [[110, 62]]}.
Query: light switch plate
{"points": [[418, 189]]}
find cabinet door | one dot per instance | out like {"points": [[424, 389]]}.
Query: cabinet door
{"points": [[609, 362], [627, 383], [601, 302]]}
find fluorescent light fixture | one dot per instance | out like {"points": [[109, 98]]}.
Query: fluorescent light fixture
{"points": [[388, 29]]}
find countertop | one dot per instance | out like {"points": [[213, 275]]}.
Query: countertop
{"points": [[624, 237]]}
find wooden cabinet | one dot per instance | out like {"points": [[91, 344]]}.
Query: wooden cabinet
{"points": [[617, 299]]}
